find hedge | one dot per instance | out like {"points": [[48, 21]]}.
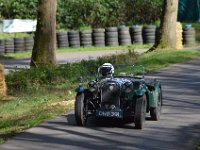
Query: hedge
{"points": [[76, 14]]}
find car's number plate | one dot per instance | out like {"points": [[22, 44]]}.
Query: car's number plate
{"points": [[111, 113]]}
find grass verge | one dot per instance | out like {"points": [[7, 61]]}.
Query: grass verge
{"points": [[42, 93], [13, 35], [81, 49]]}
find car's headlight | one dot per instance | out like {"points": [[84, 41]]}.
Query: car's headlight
{"points": [[128, 87], [92, 86]]}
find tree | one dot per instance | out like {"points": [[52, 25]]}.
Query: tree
{"points": [[45, 36], [167, 32]]}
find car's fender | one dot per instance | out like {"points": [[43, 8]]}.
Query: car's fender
{"points": [[80, 89], [141, 90], [153, 95]]}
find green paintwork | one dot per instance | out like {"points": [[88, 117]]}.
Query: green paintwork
{"points": [[80, 89], [153, 96], [141, 90], [138, 91]]}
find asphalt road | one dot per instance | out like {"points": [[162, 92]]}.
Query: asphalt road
{"points": [[178, 128]]}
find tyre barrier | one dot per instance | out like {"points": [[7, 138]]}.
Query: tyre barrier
{"points": [[189, 36], [19, 45], [9, 46], [74, 39], [111, 36], [124, 36], [136, 34], [62, 40], [149, 34], [86, 38], [98, 37], [2, 46], [28, 43]]}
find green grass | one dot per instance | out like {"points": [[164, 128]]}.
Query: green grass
{"points": [[159, 59], [42, 93], [23, 112], [92, 48], [81, 49], [13, 35]]}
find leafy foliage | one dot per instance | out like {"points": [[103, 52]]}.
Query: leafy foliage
{"points": [[21, 9], [144, 12], [34, 78], [75, 14], [95, 13]]}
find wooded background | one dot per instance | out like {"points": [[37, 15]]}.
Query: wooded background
{"points": [[77, 14]]}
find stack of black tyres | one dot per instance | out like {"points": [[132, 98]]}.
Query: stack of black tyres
{"points": [[28, 43], [86, 38], [124, 36], [19, 45], [136, 34], [149, 34], [2, 46], [111, 36], [188, 36], [62, 40], [74, 39], [9, 46], [98, 37]]}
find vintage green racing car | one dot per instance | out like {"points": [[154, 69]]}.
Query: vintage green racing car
{"points": [[118, 96]]}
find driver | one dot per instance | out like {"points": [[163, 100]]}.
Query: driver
{"points": [[106, 70]]}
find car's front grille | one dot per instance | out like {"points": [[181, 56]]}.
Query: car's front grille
{"points": [[110, 94]]}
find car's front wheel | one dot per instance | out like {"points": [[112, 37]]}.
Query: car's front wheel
{"points": [[80, 110], [140, 112]]}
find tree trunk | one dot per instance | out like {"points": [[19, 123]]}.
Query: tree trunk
{"points": [[167, 33], [45, 36]]}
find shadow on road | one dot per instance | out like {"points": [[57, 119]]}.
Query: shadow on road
{"points": [[103, 138]]}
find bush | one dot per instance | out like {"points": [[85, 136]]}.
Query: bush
{"points": [[95, 13], [34, 78], [23, 9], [75, 14], [143, 12]]}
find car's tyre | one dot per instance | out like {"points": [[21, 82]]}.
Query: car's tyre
{"points": [[155, 112], [80, 110], [140, 112]]}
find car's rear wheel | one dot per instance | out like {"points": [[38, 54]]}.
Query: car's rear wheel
{"points": [[140, 112], [80, 110], [155, 112]]}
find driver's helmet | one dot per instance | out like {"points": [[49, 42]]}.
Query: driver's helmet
{"points": [[106, 70]]}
